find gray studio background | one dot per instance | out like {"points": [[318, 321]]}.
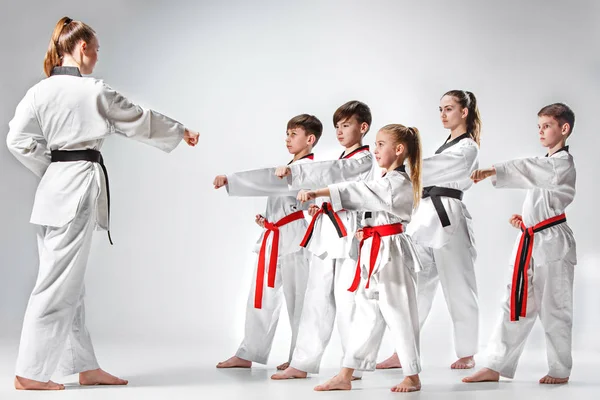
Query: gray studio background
{"points": [[236, 71]]}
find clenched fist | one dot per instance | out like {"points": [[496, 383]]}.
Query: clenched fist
{"points": [[313, 209], [260, 220], [481, 174], [516, 221], [306, 195], [191, 137], [220, 181], [282, 172]]}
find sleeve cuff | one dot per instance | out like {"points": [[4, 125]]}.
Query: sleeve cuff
{"points": [[177, 138], [336, 199], [499, 180], [230, 190], [293, 179]]}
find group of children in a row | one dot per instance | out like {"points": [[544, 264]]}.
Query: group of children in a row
{"points": [[380, 240]]}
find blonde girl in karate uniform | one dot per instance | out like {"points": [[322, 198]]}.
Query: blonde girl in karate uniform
{"points": [[385, 277]]}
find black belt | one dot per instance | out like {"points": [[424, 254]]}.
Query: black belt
{"points": [[435, 192], [85, 155]]}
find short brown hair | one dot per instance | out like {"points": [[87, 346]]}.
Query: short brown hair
{"points": [[310, 124], [561, 113], [356, 108], [67, 33]]}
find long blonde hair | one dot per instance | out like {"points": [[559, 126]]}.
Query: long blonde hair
{"points": [[67, 33], [411, 139]]}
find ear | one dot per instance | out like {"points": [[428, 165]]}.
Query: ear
{"points": [[364, 127], [312, 139], [83, 46], [565, 129], [464, 113], [399, 148]]}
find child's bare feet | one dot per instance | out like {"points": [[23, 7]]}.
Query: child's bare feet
{"points": [[30, 384], [392, 362], [464, 363], [235, 362], [553, 381], [289, 373], [483, 375], [99, 377], [283, 366], [409, 384], [335, 383]]}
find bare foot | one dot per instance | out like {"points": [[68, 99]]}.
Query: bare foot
{"points": [[289, 373], [464, 363], [283, 366], [30, 384], [99, 377], [392, 362], [483, 375], [553, 381], [409, 384], [335, 383], [235, 362]]}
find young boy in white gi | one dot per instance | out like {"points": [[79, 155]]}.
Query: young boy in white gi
{"points": [[545, 256]]}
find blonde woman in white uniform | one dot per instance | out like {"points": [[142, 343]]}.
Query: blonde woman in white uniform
{"points": [[57, 132]]}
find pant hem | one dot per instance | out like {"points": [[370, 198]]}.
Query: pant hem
{"points": [[504, 372], [309, 368], [73, 371], [246, 355]]}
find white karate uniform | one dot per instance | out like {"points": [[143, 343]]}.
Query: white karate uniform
{"points": [[332, 262], [550, 184], [292, 263], [448, 253], [70, 112], [391, 298]]}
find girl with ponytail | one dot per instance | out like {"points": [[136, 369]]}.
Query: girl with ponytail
{"points": [[57, 132], [385, 273], [442, 227]]}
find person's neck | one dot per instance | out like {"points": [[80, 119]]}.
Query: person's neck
{"points": [[556, 147], [68, 61], [350, 149], [456, 132], [399, 162], [302, 153]]}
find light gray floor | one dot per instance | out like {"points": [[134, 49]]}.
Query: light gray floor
{"points": [[175, 372]]}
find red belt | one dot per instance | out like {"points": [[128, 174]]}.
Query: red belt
{"points": [[260, 273], [376, 232], [518, 295], [335, 219]]}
